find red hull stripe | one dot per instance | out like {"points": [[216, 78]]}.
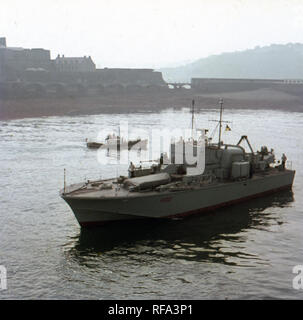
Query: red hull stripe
{"points": [[168, 199], [210, 208]]}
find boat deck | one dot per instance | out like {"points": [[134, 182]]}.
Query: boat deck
{"points": [[111, 189]]}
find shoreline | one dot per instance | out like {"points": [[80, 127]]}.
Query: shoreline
{"points": [[263, 99]]}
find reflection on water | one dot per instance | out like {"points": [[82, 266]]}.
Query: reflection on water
{"points": [[212, 237]]}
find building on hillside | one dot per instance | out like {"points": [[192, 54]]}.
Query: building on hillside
{"points": [[74, 64], [15, 61]]}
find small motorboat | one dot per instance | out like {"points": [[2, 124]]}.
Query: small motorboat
{"points": [[93, 145], [116, 142]]}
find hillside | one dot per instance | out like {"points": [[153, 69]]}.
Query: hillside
{"points": [[271, 62]]}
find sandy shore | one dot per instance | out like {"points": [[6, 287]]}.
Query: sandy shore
{"points": [[124, 103]]}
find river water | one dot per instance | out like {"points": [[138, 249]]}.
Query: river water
{"points": [[246, 251]]}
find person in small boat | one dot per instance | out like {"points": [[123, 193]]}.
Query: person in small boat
{"points": [[161, 159], [131, 170], [283, 159]]}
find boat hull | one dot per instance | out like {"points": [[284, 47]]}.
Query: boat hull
{"points": [[95, 211], [135, 144]]}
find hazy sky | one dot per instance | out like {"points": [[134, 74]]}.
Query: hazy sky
{"points": [[149, 33]]}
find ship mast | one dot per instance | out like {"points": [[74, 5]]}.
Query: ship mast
{"points": [[220, 121], [192, 117]]}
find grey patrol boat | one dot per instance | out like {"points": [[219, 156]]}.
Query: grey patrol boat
{"points": [[231, 175]]}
